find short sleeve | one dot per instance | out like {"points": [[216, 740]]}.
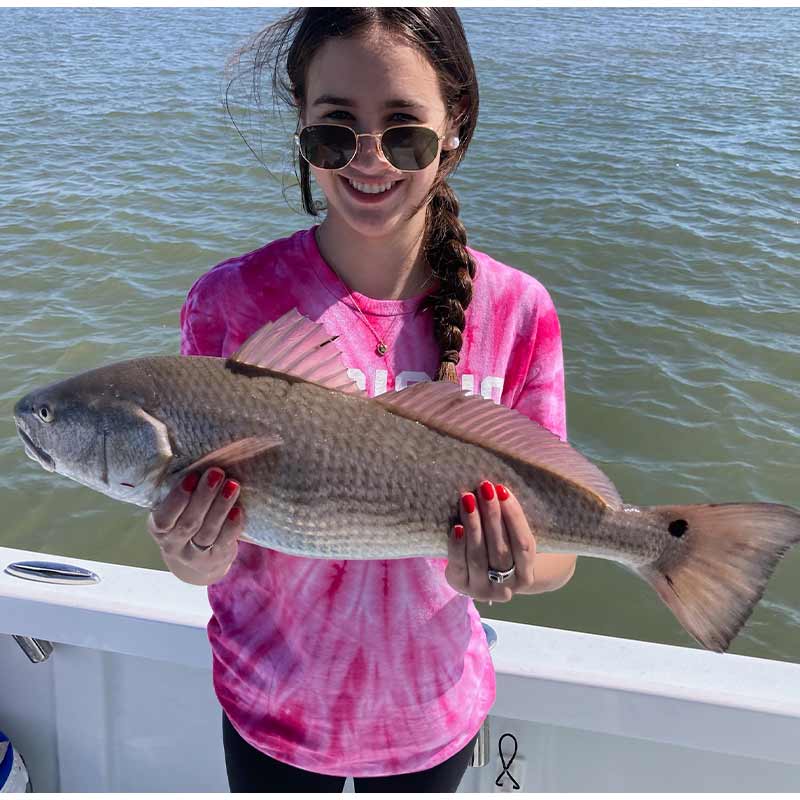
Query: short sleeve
{"points": [[542, 397], [202, 329]]}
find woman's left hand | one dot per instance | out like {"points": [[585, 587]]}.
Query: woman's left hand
{"points": [[494, 535]]}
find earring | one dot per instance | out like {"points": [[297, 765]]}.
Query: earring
{"points": [[454, 142]]}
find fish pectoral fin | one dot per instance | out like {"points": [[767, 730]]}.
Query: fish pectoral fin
{"points": [[295, 346], [234, 453]]}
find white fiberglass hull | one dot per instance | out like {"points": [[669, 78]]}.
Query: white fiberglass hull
{"points": [[125, 701]]}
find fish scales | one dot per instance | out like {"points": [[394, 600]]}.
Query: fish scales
{"points": [[352, 480]]}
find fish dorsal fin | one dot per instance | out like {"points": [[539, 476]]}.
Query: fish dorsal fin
{"points": [[443, 406], [294, 345]]}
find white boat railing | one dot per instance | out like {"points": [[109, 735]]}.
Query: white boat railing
{"points": [[125, 701]]}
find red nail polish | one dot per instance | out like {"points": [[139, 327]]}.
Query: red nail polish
{"points": [[468, 501], [487, 490], [214, 477], [458, 531], [229, 488], [502, 492], [190, 482], [234, 514]]}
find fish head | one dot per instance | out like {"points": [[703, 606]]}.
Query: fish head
{"points": [[94, 429]]}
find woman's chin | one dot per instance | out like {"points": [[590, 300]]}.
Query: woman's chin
{"points": [[369, 225], [376, 222]]}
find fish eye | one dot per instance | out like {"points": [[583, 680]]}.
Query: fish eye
{"points": [[45, 413]]}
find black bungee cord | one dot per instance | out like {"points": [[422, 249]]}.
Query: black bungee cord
{"points": [[506, 767]]}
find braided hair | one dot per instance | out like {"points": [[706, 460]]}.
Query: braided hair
{"points": [[287, 47], [446, 252]]}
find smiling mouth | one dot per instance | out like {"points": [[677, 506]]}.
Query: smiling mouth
{"points": [[36, 453], [370, 193]]}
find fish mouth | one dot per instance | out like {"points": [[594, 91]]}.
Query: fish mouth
{"points": [[36, 453]]}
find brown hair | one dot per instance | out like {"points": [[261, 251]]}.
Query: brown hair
{"points": [[287, 47]]}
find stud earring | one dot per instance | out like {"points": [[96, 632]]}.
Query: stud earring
{"points": [[454, 141]]}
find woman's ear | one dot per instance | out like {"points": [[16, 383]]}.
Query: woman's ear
{"points": [[451, 139]]}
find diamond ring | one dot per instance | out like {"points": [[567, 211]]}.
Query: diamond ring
{"points": [[500, 576]]}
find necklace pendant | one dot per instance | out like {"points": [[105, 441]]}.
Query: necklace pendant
{"points": [[381, 349]]}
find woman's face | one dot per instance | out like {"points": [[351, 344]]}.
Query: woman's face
{"points": [[371, 83]]}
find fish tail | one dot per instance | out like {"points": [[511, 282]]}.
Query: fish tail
{"points": [[717, 563]]}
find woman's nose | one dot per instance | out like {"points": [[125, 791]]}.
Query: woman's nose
{"points": [[369, 152]]}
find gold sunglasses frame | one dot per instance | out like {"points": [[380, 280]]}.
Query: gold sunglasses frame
{"points": [[378, 136]]}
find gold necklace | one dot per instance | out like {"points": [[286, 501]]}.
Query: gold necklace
{"points": [[382, 348]]}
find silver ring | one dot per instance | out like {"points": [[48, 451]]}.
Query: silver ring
{"points": [[500, 576], [200, 548]]}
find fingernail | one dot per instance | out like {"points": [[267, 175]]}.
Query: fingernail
{"points": [[468, 501], [214, 477], [234, 513], [190, 482], [487, 490], [458, 531], [229, 489], [502, 492]]}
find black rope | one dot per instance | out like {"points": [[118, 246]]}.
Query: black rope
{"points": [[499, 781]]}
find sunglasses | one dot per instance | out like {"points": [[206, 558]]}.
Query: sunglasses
{"points": [[406, 147]]}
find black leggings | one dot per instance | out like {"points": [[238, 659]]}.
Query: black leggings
{"points": [[250, 770]]}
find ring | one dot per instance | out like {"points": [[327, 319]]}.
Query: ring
{"points": [[500, 576], [200, 548]]}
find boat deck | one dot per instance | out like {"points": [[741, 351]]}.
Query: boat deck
{"points": [[125, 702]]}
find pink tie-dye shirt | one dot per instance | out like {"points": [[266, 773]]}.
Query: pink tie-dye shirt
{"points": [[364, 668]]}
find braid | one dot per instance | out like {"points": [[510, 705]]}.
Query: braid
{"points": [[446, 252]]}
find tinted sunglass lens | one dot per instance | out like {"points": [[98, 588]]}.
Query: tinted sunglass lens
{"points": [[410, 148], [327, 146]]}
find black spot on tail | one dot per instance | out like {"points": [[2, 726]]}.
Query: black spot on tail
{"points": [[678, 527]]}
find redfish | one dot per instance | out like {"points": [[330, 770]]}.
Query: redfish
{"points": [[328, 472]]}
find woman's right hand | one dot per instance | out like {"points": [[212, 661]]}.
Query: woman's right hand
{"points": [[196, 526]]}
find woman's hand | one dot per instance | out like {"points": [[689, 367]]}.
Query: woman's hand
{"points": [[196, 526], [495, 535]]}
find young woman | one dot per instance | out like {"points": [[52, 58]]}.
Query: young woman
{"points": [[375, 669]]}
